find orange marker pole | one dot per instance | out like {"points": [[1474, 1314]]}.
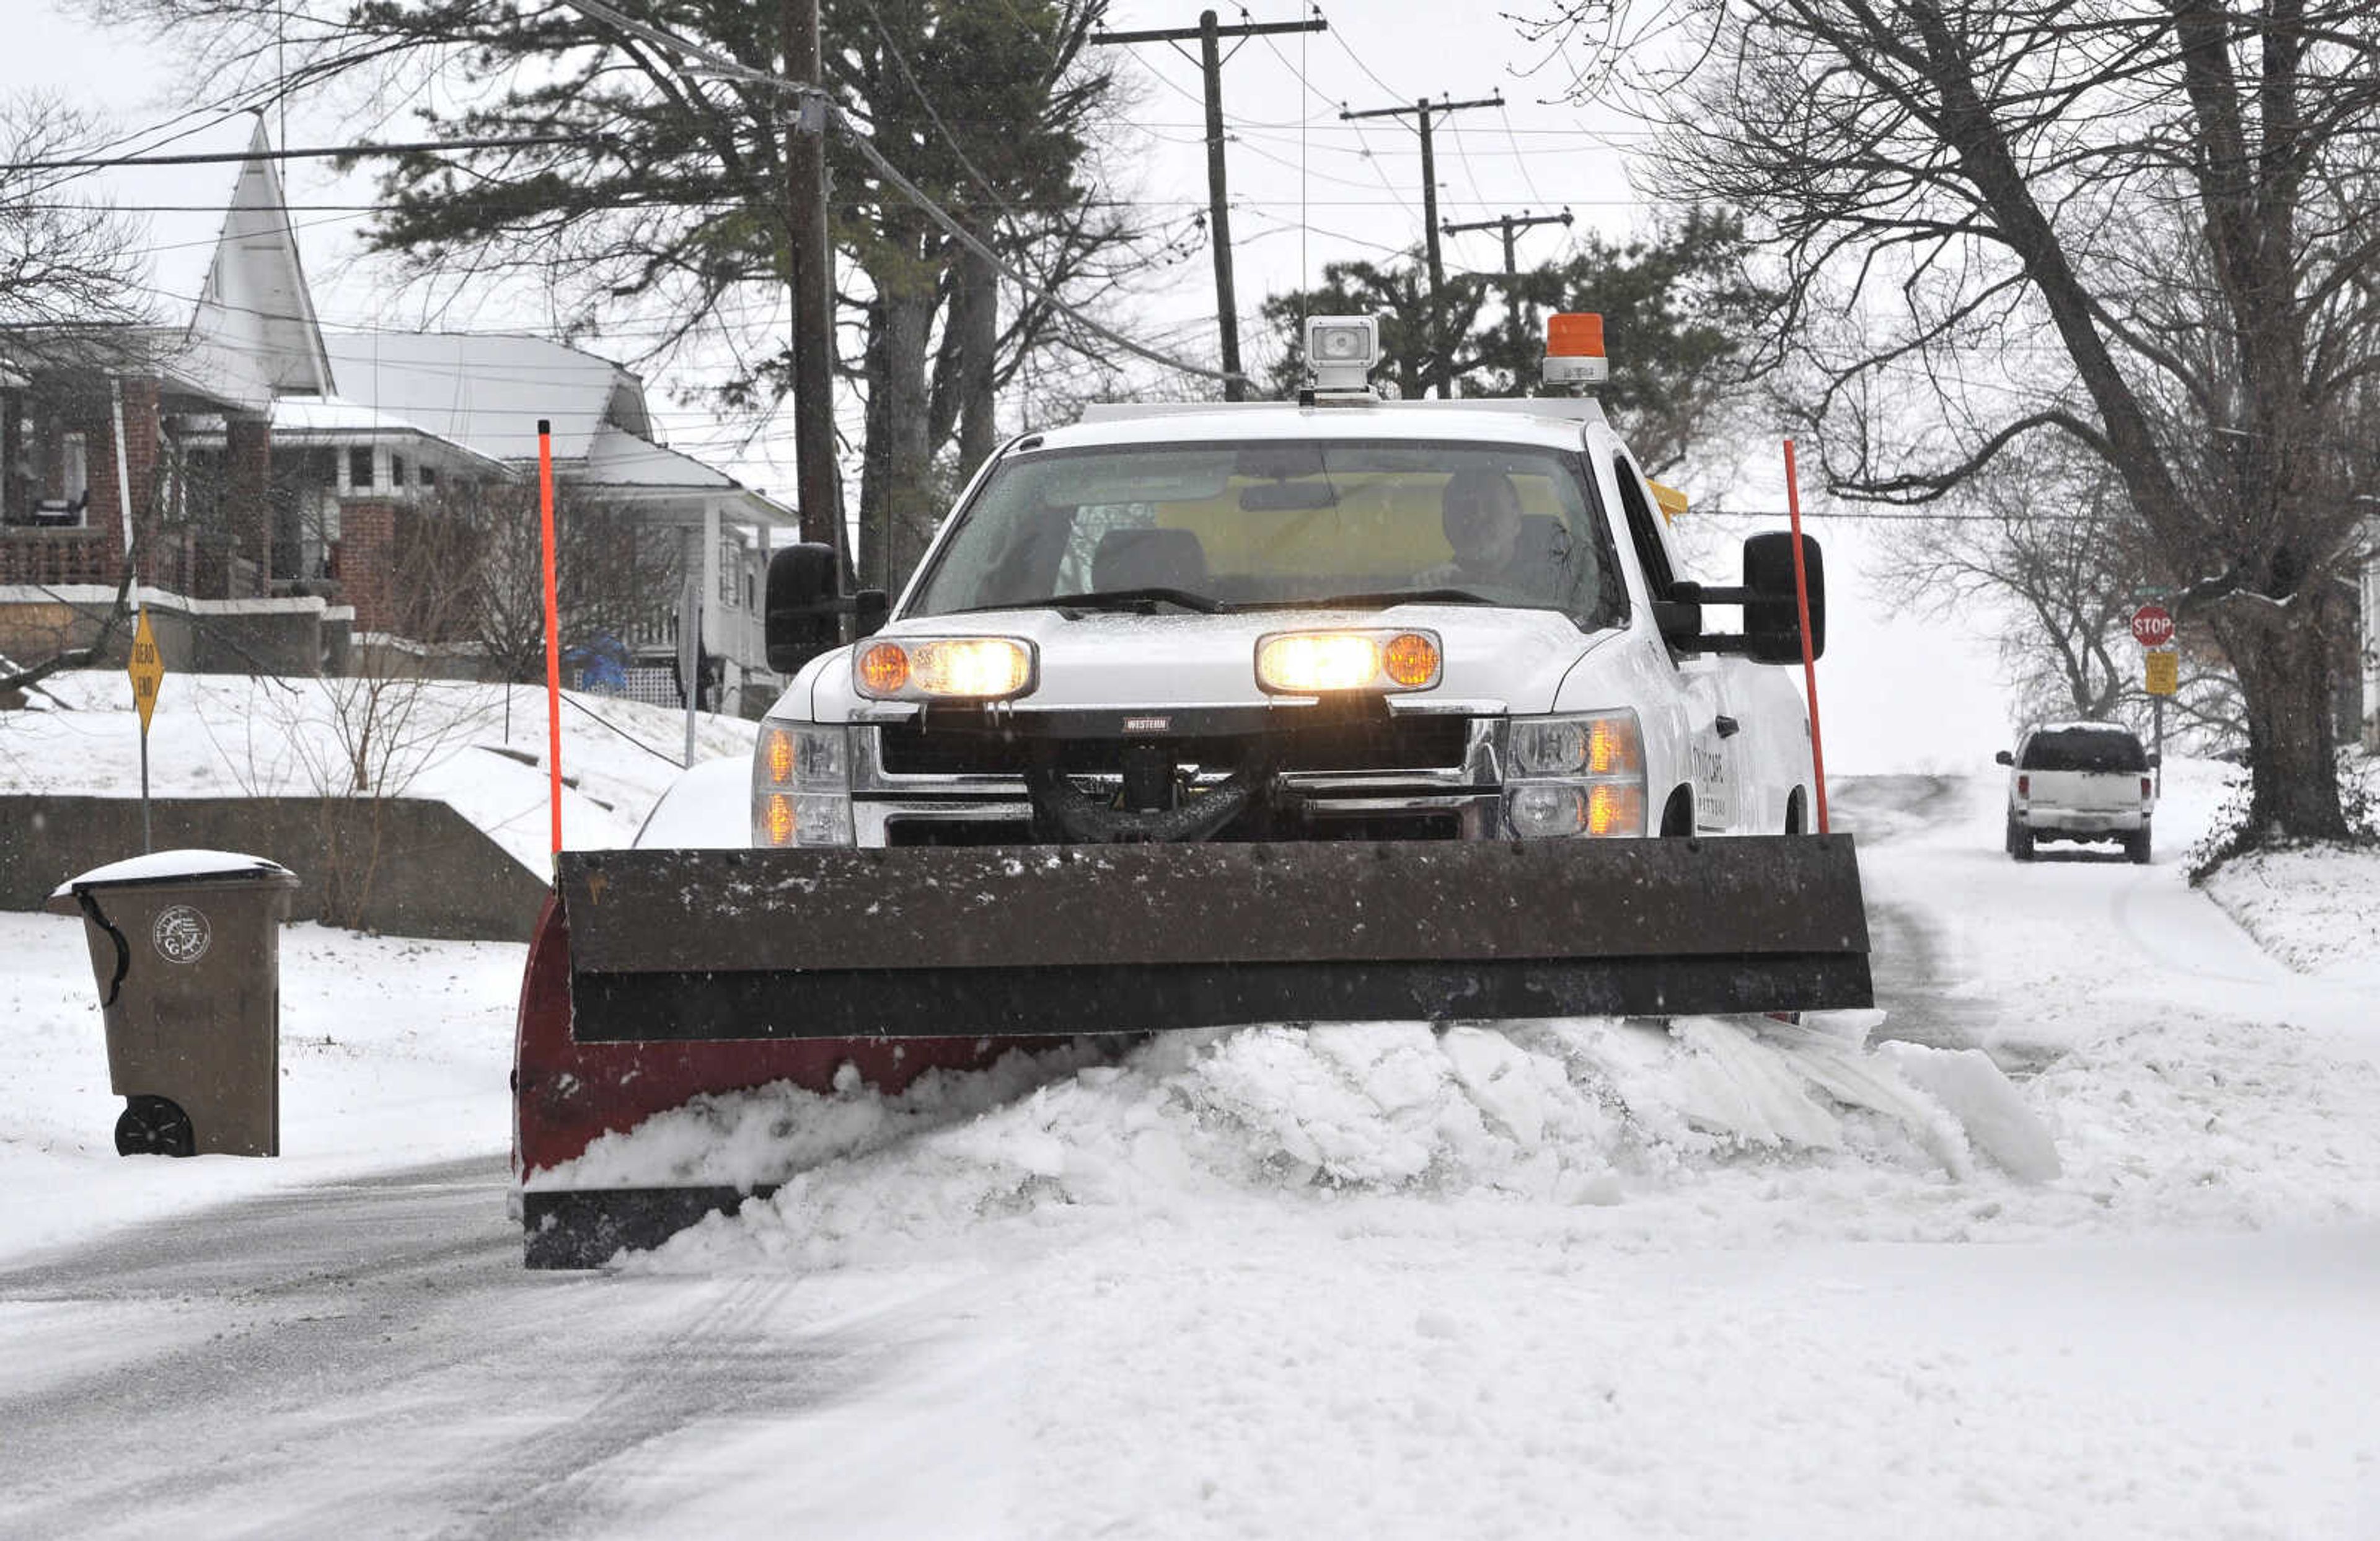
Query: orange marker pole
{"points": [[1809, 659], [553, 633]]}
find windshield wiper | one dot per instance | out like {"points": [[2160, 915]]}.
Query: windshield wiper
{"points": [[1144, 600], [1379, 600]]}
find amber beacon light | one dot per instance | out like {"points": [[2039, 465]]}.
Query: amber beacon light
{"points": [[1574, 350]]}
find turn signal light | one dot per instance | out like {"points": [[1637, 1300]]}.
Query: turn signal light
{"points": [[1614, 748], [781, 755], [1613, 809], [779, 821], [883, 670], [1410, 659]]}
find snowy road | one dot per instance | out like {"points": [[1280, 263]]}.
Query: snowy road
{"points": [[1054, 1324]]}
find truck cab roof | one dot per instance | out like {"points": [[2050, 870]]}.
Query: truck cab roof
{"points": [[1552, 423]]}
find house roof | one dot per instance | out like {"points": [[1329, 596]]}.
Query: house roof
{"points": [[222, 276], [254, 324], [624, 460], [335, 421], [489, 390]]}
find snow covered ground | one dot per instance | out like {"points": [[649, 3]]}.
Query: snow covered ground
{"points": [[480, 747], [1501, 1281]]}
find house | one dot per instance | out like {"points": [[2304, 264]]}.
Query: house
{"points": [[489, 393], [268, 480], [94, 424]]}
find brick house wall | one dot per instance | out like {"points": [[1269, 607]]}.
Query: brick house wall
{"points": [[249, 464], [364, 562]]}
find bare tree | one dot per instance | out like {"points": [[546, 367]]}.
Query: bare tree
{"points": [[641, 196], [2146, 226], [64, 264], [2044, 540]]}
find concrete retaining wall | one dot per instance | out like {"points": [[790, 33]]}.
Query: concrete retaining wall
{"points": [[435, 874]]}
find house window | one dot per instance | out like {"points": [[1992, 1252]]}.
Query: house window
{"points": [[396, 470], [359, 469], [74, 469], [731, 573], [430, 476]]}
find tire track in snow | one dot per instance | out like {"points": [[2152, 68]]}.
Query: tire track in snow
{"points": [[292, 1363]]}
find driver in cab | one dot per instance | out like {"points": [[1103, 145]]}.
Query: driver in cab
{"points": [[1481, 515]]}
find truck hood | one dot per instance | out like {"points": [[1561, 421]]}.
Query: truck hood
{"points": [[1495, 659]]}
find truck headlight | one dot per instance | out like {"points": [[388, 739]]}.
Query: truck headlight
{"points": [[801, 785], [1575, 774], [1594, 744], [944, 668], [1326, 663]]}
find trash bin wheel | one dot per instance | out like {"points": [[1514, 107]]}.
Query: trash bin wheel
{"points": [[155, 1126]]}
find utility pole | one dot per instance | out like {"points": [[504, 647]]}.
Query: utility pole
{"points": [[811, 271], [1440, 372], [1511, 225], [1219, 212]]}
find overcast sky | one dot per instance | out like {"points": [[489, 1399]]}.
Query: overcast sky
{"points": [[1306, 188]]}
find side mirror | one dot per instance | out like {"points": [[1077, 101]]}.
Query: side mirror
{"points": [[2156, 759], [2003, 757], [1772, 617], [869, 608], [1679, 617], [799, 620]]}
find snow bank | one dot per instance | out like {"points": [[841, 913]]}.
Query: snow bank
{"points": [[480, 749], [2317, 909]]}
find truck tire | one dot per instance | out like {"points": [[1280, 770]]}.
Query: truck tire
{"points": [[2020, 839], [2136, 845]]}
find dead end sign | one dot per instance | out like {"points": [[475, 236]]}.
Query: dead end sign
{"points": [[147, 669]]}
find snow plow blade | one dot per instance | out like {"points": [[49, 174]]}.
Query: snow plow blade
{"points": [[660, 975], [1021, 941]]}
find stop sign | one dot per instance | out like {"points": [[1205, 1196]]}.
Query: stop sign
{"points": [[2152, 625]]}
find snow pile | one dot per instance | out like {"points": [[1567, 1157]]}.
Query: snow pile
{"points": [[1562, 1114]]}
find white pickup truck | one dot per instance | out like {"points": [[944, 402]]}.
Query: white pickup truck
{"points": [[1340, 618], [1331, 711], [2080, 781]]}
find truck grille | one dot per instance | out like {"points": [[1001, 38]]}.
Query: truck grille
{"points": [[1417, 824], [1385, 743]]}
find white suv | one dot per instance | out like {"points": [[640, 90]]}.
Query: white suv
{"points": [[2080, 781]]}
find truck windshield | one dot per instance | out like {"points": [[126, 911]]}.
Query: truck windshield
{"points": [[1269, 525], [2083, 749]]}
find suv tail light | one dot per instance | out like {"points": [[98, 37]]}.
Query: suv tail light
{"points": [[2024, 786], [2144, 789]]}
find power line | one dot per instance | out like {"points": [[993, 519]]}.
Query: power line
{"points": [[320, 152], [816, 101]]}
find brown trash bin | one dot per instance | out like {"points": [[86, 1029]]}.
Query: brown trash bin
{"points": [[186, 946]]}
